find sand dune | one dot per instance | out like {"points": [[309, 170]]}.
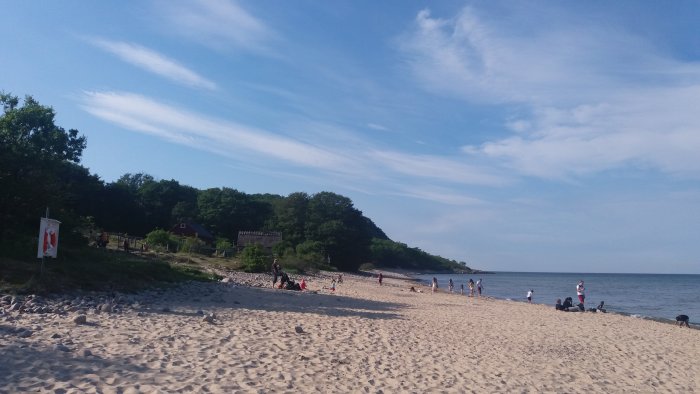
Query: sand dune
{"points": [[362, 338]]}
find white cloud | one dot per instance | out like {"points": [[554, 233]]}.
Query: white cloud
{"points": [[440, 195], [154, 62], [437, 168], [585, 114], [142, 114], [217, 23], [378, 127], [336, 154]]}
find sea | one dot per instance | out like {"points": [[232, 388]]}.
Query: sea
{"points": [[648, 296]]}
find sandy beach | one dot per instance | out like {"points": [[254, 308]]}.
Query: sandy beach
{"points": [[361, 338]]}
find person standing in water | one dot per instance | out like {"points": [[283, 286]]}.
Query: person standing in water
{"points": [[435, 285], [529, 296], [479, 286], [451, 285], [581, 292]]}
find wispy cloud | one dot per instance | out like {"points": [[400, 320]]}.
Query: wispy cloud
{"points": [[377, 127], [154, 62], [583, 114], [218, 23], [437, 168], [336, 156], [142, 114]]}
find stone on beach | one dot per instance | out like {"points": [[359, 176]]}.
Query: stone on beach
{"points": [[80, 319]]}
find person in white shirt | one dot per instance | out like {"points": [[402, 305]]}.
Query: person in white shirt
{"points": [[529, 295], [581, 292]]}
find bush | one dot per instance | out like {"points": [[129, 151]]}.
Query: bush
{"points": [[162, 238], [191, 245], [255, 259]]}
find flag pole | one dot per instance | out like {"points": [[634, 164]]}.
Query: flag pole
{"points": [[41, 270]]}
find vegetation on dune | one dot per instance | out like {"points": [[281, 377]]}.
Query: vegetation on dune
{"points": [[40, 168]]}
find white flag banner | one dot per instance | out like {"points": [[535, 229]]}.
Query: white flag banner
{"points": [[48, 238]]}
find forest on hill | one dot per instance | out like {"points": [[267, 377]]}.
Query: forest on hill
{"points": [[40, 167]]}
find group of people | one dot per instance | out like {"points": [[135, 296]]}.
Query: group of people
{"points": [[568, 304], [478, 286], [285, 281]]}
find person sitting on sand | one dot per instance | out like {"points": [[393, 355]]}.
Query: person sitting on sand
{"points": [[558, 306], [412, 289], [600, 307], [285, 279], [302, 284], [568, 303]]}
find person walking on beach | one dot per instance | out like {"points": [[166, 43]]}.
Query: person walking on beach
{"points": [[275, 271], [479, 286], [451, 285], [435, 285], [461, 288], [529, 296], [380, 278], [471, 287], [581, 292]]}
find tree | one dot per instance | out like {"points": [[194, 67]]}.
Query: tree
{"points": [[340, 228], [38, 162], [227, 211]]}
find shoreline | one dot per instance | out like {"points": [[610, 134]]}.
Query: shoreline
{"points": [[241, 335]]}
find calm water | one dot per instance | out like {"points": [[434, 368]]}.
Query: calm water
{"points": [[644, 295]]}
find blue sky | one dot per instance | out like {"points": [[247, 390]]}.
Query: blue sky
{"points": [[525, 136]]}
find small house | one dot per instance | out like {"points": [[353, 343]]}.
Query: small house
{"points": [[266, 239], [186, 229]]}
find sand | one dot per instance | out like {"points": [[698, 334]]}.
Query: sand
{"points": [[362, 338]]}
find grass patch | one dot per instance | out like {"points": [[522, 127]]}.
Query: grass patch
{"points": [[94, 269]]}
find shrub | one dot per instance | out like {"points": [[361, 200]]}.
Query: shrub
{"points": [[162, 238], [191, 245], [254, 259]]}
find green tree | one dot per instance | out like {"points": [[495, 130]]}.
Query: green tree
{"points": [[38, 162], [340, 228], [227, 211]]}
